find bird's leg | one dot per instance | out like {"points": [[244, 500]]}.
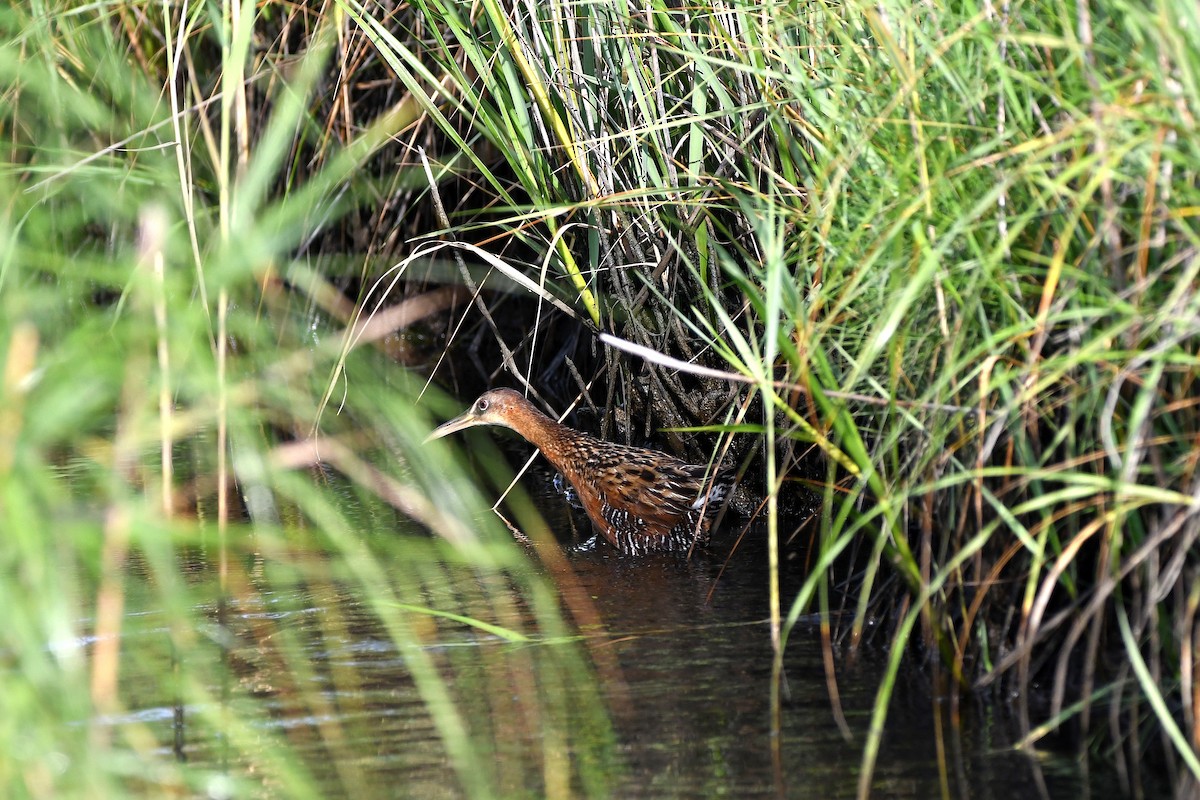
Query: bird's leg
{"points": [[566, 490]]}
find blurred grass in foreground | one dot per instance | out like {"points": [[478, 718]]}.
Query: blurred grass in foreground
{"points": [[166, 526]]}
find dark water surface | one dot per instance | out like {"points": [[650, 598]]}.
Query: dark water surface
{"points": [[682, 653], [696, 665]]}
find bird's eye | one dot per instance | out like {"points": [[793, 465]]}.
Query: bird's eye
{"points": [[481, 406]]}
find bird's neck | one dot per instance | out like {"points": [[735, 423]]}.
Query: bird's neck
{"points": [[552, 438]]}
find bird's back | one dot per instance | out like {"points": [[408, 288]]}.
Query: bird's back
{"points": [[642, 500]]}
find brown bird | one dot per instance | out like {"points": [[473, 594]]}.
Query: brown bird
{"points": [[640, 500]]}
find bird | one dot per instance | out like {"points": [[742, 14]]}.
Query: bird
{"points": [[640, 500]]}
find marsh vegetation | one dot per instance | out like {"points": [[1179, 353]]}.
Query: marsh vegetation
{"points": [[926, 276]]}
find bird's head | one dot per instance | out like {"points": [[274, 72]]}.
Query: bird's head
{"points": [[497, 407]]}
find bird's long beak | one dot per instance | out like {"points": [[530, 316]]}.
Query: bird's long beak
{"points": [[461, 422]]}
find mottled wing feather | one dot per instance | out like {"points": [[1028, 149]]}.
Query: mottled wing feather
{"points": [[641, 499]]}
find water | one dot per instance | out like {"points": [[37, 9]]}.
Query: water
{"points": [[694, 654], [681, 656]]}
